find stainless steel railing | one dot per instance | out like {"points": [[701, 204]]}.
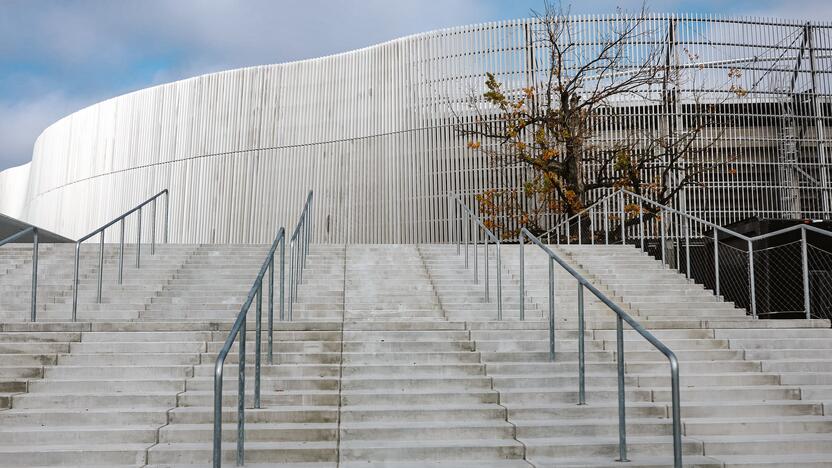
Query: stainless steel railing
{"points": [[459, 213], [621, 317], [680, 240], [34, 231], [238, 333], [100, 231], [300, 238]]}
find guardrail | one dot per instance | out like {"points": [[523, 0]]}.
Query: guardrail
{"points": [[34, 231], [621, 317], [457, 227], [301, 235], [137, 209], [717, 257]]}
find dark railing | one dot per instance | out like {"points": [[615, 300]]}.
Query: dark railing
{"points": [[621, 317], [100, 232], [302, 235], [34, 231]]}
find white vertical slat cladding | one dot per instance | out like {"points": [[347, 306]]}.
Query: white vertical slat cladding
{"points": [[372, 133]]}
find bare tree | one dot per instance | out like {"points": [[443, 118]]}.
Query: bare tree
{"points": [[588, 81]]}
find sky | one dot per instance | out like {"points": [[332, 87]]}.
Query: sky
{"points": [[58, 56]]}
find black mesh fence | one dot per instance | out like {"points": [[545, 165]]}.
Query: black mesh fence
{"points": [[778, 280], [820, 282]]}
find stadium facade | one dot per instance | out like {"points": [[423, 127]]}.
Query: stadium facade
{"points": [[374, 133]]}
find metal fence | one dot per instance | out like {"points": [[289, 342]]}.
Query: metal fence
{"points": [[785, 273]]}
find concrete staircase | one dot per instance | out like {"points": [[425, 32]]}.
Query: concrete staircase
{"points": [[395, 358]]}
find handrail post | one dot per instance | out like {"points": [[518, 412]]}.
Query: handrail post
{"points": [[522, 239], [592, 226], [153, 227], [476, 235], [676, 411], [75, 282], [282, 274], [751, 279], [100, 265], [35, 247], [121, 253], [662, 235], [271, 310], [291, 299], [258, 318], [467, 232], [241, 394], [641, 223], [581, 349], [167, 196], [457, 226], [687, 247], [139, 238], [499, 284], [606, 221], [485, 248], [217, 438], [807, 306], [621, 213], [551, 309], [716, 260], [580, 230], [622, 418]]}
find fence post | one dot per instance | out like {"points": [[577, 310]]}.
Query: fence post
{"points": [[641, 222], [606, 222], [751, 281], [121, 252], [522, 278], [551, 309], [581, 352], [687, 246], [622, 418], [485, 248], [807, 306], [661, 238], [580, 229], [100, 265]]}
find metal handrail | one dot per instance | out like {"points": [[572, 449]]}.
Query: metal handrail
{"points": [[456, 202], [14, 237], [100, 231], [719, 232], [299, 249], [238, 332], [621, 316]]}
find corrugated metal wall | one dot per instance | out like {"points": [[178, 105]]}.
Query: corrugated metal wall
{"points": [[370, 131]]}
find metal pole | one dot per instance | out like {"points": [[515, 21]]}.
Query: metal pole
{"points": [[282, 273], [467, 232], [476, 248], [606, 222], [271, 310], [522, 278], [580, 229], [591, 226], [641, 223], [751, 281], [677, 412], [499, 284], [153, 227], [581, 352], [100, 264], [217, 445], [687, 246], [139, 239], [258, 317], [661, 228], [457, 227], [807, 306], [621, 213], [289, 303], [75, 282], [622, 418], [167, 196], [716, 260], [551, 309], [121, 253], [485, 246], [34, 274], [241, 394]]}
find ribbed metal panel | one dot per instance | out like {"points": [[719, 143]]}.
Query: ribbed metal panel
{"points": [[371, 133]]}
